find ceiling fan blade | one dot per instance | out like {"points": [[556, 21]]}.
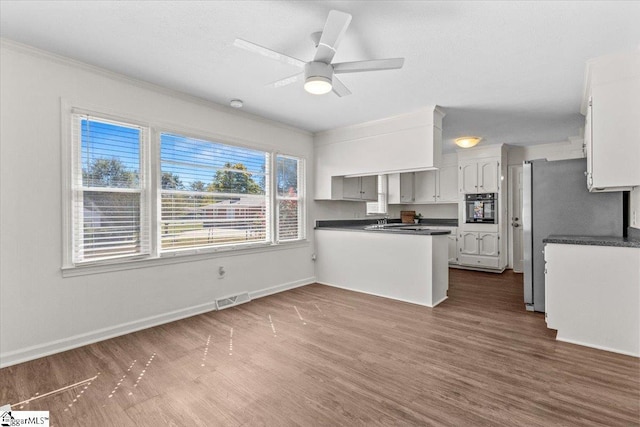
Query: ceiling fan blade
{"points": [[287, 81], [252, 47], [334, 29], [371, 65], [339, 88]]}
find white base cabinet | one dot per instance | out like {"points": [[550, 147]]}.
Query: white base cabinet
{"points": [[452, 241], [592, 296], [479, 249], [406, 267]]}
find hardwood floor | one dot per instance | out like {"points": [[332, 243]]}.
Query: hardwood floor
{"points": [[324, 356]]}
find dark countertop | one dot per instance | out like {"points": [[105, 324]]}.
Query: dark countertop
{"points": [[364, 225], [632, 241], [436, 222]]}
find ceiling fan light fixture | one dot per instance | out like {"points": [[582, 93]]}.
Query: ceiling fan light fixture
{"points": [[467, 141], [318, 78], [318, 85]]}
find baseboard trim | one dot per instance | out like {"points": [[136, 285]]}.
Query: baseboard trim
{"points": [[281, 288], [58, 346], [440, 301], [380, 295], [598, 347]]}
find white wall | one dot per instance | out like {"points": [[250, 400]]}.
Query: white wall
{"points": [[570, 149], [40, 311]]}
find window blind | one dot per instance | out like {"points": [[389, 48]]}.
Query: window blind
{"points": [[381, 206], [212, 194], [108, 190]]}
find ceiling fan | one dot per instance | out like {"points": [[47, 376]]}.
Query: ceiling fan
{"points": [[320, 74]]}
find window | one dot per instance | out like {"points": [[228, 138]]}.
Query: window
{"points": [[289, 197], [212, 194], [108, 190], [379, 207], [136, 198]]}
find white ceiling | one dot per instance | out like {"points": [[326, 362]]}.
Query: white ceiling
{"points": [[511, 72]]}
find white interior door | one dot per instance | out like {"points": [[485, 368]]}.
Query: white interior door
{"points": [[515, 216]]}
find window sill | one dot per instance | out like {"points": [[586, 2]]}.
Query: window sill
{"points": [[178, 257]]}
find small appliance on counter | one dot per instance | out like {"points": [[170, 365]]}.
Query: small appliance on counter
{"points": [[481, 208]]}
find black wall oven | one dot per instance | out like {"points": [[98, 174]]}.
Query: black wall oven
{"points": [[481, 208]]}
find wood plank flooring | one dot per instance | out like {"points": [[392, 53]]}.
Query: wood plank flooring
{"points": [[323, 356]]}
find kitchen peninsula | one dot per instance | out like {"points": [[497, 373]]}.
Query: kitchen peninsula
{"points": [[405, 262]]}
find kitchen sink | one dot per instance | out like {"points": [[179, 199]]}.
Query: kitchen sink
{"points": [[396, 227]]}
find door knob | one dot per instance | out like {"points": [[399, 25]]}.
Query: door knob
{"points": [[515, 224]]}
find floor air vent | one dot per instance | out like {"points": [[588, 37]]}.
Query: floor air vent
{"points": [[233, 300]]}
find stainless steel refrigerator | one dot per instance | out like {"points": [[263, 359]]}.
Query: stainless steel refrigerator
{"points": [[556, 201]]}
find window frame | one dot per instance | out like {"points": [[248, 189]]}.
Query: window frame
{"points": [[159, 191], [151, 163], [301, 197]]}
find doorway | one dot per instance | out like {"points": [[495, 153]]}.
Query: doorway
{"points": [[516, 254]]}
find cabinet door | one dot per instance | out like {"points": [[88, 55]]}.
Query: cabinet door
{"points": [[393, 188], [351, 188], [447, 185], [468, 243], [488, 177], [407, 187], [369, 187], [425, 187], [488, 244], [468, 177], [453, 251], [615, 135]]}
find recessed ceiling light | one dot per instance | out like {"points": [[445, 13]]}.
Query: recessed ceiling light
{"points": [[467, 141], [236, 103]]}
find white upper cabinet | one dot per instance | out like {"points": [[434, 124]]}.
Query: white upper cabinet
{"points": [[426, 187], [479, 176], [405, 143], [611, 105], [447, 184], [363, 188]]}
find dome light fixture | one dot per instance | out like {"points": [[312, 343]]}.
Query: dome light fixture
{"points": [[318, 78], [317, 85], [236, 103], [467, 141]]}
